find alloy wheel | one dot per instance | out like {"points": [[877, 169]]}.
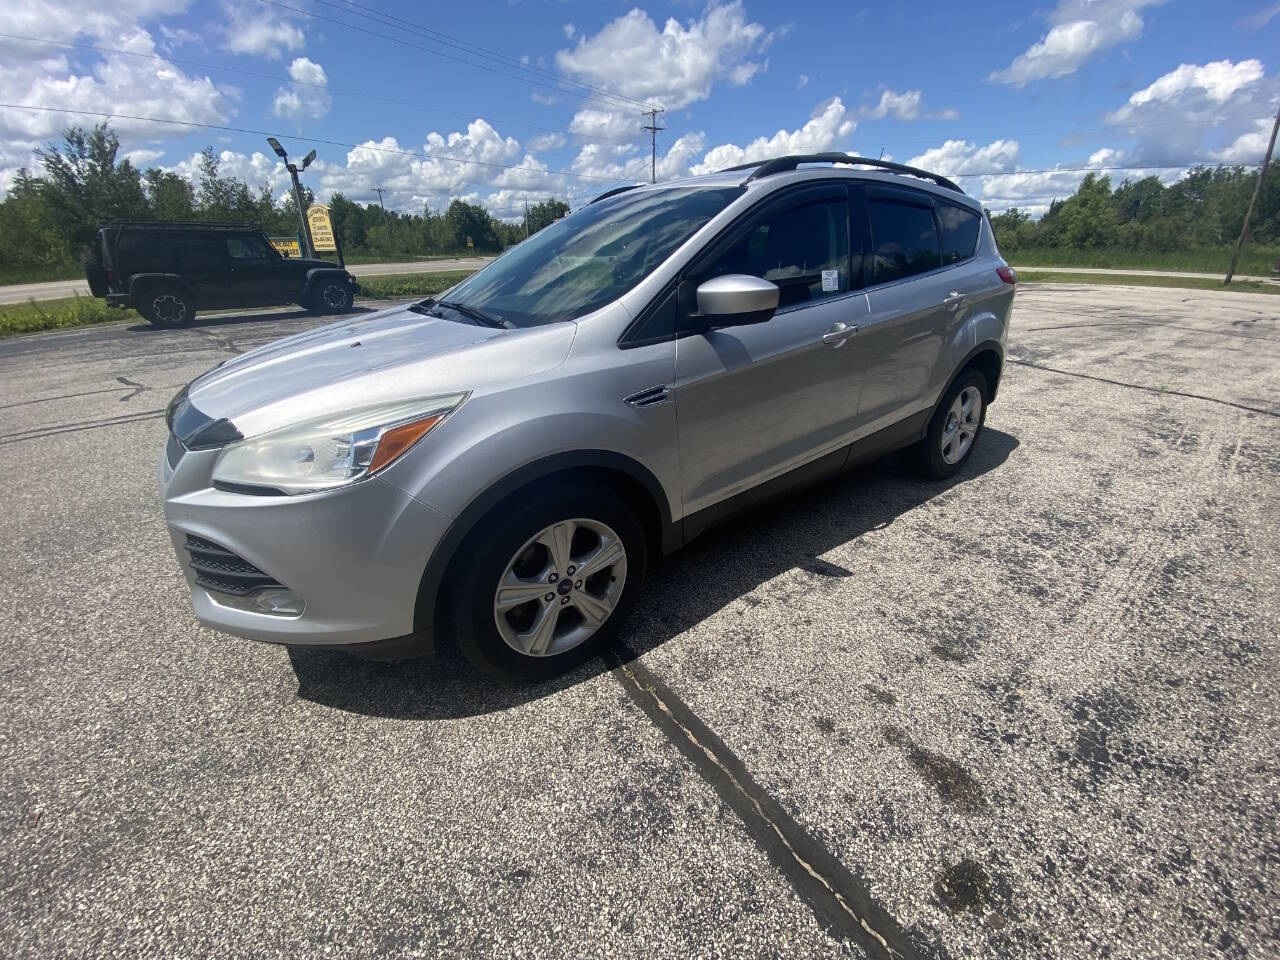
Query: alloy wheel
{"points": [[963, 420], [560, 587]]}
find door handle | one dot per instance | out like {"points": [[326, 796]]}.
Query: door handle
{"points": [[953, 299], [838, 334]]}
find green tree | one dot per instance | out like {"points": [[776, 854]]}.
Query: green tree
{"points": [[170, 196], [84, 186], [546, 213], [469, 220]]}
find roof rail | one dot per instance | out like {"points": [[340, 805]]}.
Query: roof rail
{"points": [[613, 193], [202, 224], [766, 168]]}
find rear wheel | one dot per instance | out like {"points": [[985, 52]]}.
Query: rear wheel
{"points": [[166, 306], [544, 586], [331, 296], [955, 428]]}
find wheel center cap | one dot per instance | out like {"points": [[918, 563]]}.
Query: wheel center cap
{"points": [[564, 586]]}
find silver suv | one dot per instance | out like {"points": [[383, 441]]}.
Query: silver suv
{"points": [[505, 462]]}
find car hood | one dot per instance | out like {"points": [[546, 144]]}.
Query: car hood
{"points": [[391, 355]]}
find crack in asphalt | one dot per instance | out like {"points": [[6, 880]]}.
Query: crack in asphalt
{"points": [[840, 900], [37, 433], [1141, 386]]}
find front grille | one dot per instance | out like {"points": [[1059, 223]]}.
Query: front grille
{"points": [[218, 569], [173, 451]]}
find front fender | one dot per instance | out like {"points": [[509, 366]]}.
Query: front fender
{"points": [[314, 276]]}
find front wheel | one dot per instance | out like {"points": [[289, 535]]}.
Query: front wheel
{"points": [[545, 585], [332, 296], [954, 429]]}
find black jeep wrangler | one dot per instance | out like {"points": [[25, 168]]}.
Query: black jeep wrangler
{"points": [[168, 270]]}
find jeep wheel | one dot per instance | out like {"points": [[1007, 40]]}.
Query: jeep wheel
{"points": [[166, 306], [332, 296], [955, 428], [546, 587]]}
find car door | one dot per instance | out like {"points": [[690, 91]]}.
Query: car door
{"points": [[911, 314], [202, 262], [753, 402], [256, 270]]}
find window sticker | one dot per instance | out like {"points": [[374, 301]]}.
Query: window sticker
{"points": [[830, 281]]}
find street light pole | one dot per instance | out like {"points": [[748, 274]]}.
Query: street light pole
{"points": [[297, 192]]}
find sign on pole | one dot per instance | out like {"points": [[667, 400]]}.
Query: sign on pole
{"points": [[321, 228]]}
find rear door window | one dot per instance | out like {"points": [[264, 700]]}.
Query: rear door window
{"points": [[904, 239], [959, 232]]}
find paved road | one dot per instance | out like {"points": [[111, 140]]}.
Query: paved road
{"points": [[22, 292], [1145, 273], [1029, 713]]}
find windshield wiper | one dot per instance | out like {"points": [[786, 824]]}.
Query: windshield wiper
{"points": [[477, 315], [424, 306]]}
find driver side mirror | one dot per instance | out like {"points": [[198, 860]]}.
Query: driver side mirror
{"points": [[736, 300]]}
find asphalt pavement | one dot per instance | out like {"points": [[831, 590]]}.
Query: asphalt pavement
{"points": [[22, 292], [1031, 712]]}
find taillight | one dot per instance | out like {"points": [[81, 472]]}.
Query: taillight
{"points": [[1007, 274]]}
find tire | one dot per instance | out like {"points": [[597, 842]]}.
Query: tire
{"points": [[511, 545], [165, 306], [955, 428], [331, 296]]}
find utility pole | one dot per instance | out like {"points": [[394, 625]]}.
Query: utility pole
{"points": [[378, 191], [1257, 188], [653, 128], [305, 234], [526, 218]]}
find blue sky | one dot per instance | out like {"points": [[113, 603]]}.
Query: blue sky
{"points": [[507, 101]]}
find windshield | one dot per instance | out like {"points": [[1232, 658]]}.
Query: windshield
{"points": [[589, 259]]}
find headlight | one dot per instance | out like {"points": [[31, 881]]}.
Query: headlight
{"points": [[331, 451]]}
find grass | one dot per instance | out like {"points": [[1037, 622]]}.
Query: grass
{"points": [[1138, 280], [36, 315], [397, 286], [1254, 260]]}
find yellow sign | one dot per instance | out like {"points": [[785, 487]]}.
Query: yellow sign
{"points": [[286, 246], [321, 228]]}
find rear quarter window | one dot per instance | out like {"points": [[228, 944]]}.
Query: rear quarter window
{"points": [[959, 232], [140, 246]]}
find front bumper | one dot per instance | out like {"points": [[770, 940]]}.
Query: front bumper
{"points": [[355, 556]]}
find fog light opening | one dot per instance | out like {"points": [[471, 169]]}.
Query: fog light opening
{"points": [[275, 601]]}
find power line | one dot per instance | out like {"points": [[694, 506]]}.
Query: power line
{"points": [[615, 103], [467, 46], [322, 142], [298, 83]]}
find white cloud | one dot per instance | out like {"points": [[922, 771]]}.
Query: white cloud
{"points": [[672, 67], [596, 124], [802, 82], [903, 106], [1247, 148], [1197, 113], [546, 99], [311, 101], [68, 19], [119, 85], [1261, 17], [261, 31], [569, 30], [830, 122], [547, 141], [1079, 29], [957, 157]]}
